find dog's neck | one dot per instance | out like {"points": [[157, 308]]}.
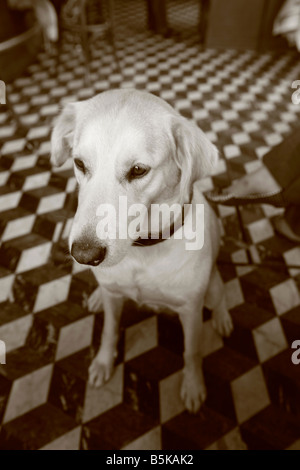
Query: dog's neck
{"points": [[152, 238]]}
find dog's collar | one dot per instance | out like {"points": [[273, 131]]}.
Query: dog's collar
{"points": [[161, 238]]}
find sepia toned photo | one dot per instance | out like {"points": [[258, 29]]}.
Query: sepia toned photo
{"points": [[150, 227]]}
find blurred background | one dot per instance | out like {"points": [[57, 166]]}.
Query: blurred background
{"points": [[228, 65]]}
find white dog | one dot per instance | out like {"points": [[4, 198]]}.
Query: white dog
{"points": [[131, 143]]}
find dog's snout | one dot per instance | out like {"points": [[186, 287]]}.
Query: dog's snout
{"points": [[88, 252]]}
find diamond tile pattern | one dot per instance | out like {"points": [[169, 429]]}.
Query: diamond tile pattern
{"points": [[242, 100]]}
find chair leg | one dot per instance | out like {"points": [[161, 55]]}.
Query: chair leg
{"points": [[203, 19], [244, 235], [85, 39], [112, 33], [83, 33]]}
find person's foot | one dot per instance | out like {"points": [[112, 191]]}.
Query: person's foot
{"points": [[260, 181], [258, 187], [282, 227]]}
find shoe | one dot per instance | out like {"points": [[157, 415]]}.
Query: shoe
{"points": [[283, 229], [227, 199]]}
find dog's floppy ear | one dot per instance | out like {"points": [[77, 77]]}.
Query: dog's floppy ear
{"points": [[195, 155], [63, 135]]}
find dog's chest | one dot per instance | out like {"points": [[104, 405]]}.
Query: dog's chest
{"points": [[146, 283]]}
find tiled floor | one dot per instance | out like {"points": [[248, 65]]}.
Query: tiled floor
{"points": [[242, 100]]}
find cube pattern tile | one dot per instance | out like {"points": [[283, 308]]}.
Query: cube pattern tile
{"points": [[242, 101]]}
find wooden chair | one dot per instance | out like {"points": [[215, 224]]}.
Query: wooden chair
{"points": [[89, 18]]}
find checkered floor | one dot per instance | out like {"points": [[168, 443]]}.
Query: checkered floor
{"points": [[242, 100]]}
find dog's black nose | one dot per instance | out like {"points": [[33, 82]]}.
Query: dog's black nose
{"points": [[88, 252]]}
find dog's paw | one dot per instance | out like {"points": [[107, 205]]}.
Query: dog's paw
{"points": [[222, 323], [193, 390], [94, 303], [100, 372]]}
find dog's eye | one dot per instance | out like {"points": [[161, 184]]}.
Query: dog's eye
{"points": [[80, 165], [137, 171]]}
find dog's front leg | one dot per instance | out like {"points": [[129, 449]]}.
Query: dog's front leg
{"points": [[193, 390], [101, 367]]}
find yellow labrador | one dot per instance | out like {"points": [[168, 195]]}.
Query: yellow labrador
{"points": [[128, 143]]}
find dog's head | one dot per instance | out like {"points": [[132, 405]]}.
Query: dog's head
{"points": [[125, 143]]}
